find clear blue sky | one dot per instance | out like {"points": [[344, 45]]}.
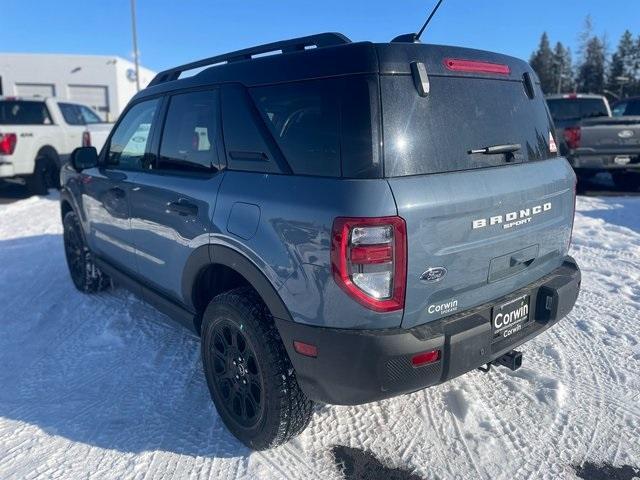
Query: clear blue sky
{"points": [[176, 31]]}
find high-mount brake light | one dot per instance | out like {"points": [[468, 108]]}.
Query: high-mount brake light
{"points": [[8, 143], [474, 66], [369, 260]]}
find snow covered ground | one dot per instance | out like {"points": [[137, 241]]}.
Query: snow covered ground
{"points": [[99, 386]]}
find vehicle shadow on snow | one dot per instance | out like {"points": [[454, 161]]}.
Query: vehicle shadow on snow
{"points": [[105, 370]]}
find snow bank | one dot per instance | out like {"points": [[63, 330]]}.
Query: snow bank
{"points": [[100, 386]]}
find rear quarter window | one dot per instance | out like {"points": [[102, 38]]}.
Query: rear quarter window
{"points": [[17, 112], [434, 134], [324, 127]]}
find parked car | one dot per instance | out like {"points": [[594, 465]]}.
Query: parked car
{"points": [[257, 204], [38, 134], [593, 141], [568, 110], [628, 107]]}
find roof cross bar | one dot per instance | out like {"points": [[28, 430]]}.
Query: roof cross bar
{"points": [[284, 46]]}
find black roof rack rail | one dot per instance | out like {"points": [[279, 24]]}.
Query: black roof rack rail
{"points": [[284, 46]]}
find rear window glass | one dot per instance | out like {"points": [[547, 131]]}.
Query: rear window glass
{"points": [[324, 127], [576, 108], [434, 134], [17, 112]]}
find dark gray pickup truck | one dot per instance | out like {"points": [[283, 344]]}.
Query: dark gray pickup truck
{"points": [[606, 144], [593, 141]]}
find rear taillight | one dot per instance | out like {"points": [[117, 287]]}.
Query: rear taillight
{"points": [[86, 139], [572, 137], [474, 66], [369, 260], [8, 143]]}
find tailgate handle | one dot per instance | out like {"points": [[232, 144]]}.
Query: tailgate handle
{"points": [[520, 259]]}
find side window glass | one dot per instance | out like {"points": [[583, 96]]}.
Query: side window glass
{"points": [[71, 114], [618, 109], [189, 136], [130, 139], [304, 119], [88, 116]]}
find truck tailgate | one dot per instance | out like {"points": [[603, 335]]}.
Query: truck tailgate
{"points": [[610, 136]]}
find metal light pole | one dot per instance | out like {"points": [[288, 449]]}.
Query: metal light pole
{"points": [[135, 43], [560, 74]]}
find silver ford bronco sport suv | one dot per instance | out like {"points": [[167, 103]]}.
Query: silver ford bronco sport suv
{"points": [[340, 222]]}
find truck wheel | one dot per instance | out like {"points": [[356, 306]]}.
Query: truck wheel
{"points": [[249, 374], [86, 276], [46, 175], [626, 180]]}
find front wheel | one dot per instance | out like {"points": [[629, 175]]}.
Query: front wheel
{"points": [[86, 276], [249, 374]]}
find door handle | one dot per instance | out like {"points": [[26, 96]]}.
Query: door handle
{"points": [[184, 208]]}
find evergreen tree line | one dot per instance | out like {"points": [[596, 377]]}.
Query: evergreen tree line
{"points": [[616, 75]]}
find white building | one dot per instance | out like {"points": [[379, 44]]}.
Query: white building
{"points": [[105, 83]]}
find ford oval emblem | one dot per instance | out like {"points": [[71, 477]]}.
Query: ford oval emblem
{"points": [[434, 274], [625, 134]]}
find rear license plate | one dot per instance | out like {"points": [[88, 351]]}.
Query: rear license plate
{"points": [[510, 318]]}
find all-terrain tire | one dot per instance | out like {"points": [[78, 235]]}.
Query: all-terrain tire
{"points": [[238, 326], [86, 276], [46, 175]]}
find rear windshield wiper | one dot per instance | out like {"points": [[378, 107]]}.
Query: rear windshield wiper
{"points": [[497, 149]]}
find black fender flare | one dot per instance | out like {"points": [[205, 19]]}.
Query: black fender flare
{"points": [[208, 255]]}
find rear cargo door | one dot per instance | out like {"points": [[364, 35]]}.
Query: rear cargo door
{"points": [[479, 226]]}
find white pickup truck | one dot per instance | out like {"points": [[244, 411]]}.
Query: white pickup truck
{"points": [[38, 134]]}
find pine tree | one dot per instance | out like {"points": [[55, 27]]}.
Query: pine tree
{"points": [[562, 69], [623, 68], [542, 63], [591, 71]]}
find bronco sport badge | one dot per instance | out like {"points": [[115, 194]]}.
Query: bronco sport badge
{"points": [[512, 219]]}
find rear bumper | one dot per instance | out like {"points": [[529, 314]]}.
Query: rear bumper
{"points": [[6, 169], [604, 161], [360, 366]]}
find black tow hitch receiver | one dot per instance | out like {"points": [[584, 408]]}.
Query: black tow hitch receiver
{"points": [[512, 360]]}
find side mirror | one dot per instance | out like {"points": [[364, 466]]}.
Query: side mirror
{"points": [[84, 157]]}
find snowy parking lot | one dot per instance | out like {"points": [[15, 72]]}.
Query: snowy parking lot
{"points": [[102, 387]]}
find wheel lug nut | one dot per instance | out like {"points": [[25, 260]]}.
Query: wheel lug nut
{"points": [[244, 381]]}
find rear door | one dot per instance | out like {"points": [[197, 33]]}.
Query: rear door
{"points": [[492, 223], [173, 199]]}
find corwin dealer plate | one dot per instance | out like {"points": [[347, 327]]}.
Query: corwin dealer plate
{"points": [[510, 318]]}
